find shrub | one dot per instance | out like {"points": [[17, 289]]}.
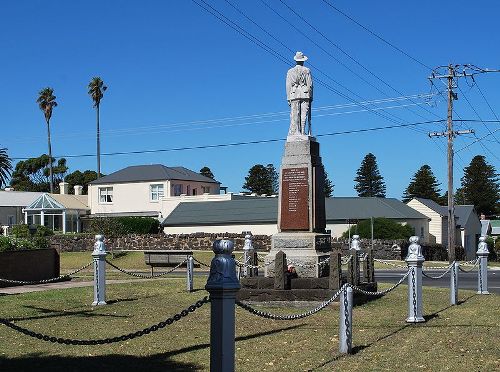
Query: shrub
{"points": [[383, 228], [115, 226], [43, 231], [5, 244], [21, 231]]}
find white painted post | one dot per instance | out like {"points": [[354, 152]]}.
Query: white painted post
{"points": [[64, 222], [248, 256], [415, 260], [190, 273], [99, 258], [454, 283], [345, 320], [222, 284], [482, 272]]}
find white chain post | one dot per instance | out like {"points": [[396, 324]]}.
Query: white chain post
{"points": [[415, 261], [482, 272], [345, 320], [248, 256], [454, 283], [222, 284], [190, 273], [99, 258]]}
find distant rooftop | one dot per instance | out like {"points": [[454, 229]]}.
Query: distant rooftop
{"points": [[17, 198], [265, 210], [154, 172]]}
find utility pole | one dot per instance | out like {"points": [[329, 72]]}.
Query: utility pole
{"points": [[450, 133]]}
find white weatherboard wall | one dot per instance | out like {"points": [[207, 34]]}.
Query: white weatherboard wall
{"points": [[264, 229], [436, 232]]}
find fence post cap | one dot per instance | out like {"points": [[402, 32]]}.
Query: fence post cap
{"points": [[248, 243], [355, 244], [414, 251], [482, 247], [222, 268], [99, 246]]}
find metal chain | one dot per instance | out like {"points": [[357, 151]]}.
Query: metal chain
{"points": [[471, 269], [439, 276], [454, 273], [242, 264], [480, 275], [146, 276], [346, 261], [346, 314], [65, 276], [201, 263], [129, 336], [390, 263], [414, 295], [471, 262], [385, 291], [267, 315], [307, 266]]}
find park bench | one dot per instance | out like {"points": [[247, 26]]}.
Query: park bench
{"points": [[163, 258]]}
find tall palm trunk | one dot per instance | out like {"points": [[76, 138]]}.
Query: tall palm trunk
{"points": [[98, 145], [51, 174]]}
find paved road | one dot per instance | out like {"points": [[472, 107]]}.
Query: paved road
{"points": [[465, 280]]}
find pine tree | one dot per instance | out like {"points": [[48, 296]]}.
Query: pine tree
{"points": [[480, 186], [369, 182], [205, 171], [261, 180], [423, 185], [328, 186]]}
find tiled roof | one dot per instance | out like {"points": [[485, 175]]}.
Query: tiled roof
{"points": [[154, 172]]}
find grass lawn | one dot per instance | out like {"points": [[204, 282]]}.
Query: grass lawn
{"points": [[459, 338]]}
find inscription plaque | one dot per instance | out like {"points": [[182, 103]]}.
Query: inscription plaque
{"points": [[294, 199]]}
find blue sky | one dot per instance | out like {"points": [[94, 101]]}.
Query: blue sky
{"points": [[174, 71]]}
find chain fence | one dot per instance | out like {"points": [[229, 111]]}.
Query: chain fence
{"points": [[469, 270], [448, 268], [267, 315], [152, 276], [388, 263], [385, 291], [201, 263], [110, 340], [45, 281], [242, 264]]}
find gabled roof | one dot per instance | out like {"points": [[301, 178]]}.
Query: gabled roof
{"points": [[154, 172], [463, 213], [59, 202], [265, 210], [442, 211], [17, 198], [495, 227]]}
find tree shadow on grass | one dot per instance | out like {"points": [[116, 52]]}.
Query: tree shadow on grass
{"points": [[112, 362], [115, 362]]}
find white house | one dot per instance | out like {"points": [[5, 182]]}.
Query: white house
{"points": [[12, 204], [468, 225], [140, 190]]}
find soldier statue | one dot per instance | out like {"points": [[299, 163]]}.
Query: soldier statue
{"points": [[299, 93]]}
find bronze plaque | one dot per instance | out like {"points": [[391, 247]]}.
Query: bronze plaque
{"points": [[294, 199]]}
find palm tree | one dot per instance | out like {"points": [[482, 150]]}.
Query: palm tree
{"points": [[5, 167], [47, 101], [96, 89]]}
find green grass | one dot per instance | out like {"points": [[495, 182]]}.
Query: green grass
{"points": [[459, 338]]}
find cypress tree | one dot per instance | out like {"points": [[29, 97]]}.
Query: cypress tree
{"points": [[480, 186], [368, 180], [423, 185]]}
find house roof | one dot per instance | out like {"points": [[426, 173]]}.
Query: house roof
{"points": [[265, 210], [463, 213], [442, 211], [154, 172], [495, 227], [17, 198], [48, 201]]}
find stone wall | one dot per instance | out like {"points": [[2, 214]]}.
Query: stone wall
{"points": [[382, 249], [196, 241]]}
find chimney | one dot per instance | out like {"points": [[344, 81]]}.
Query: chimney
{"points": [[483, 217], [64, 188], [78, 189]]}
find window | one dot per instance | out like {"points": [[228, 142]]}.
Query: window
{"points": [[194, 192], [10, 220], [177, 189], [105, 195], [205, 189], [156, 192]]}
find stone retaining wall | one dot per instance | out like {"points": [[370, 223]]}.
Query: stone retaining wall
{"points": [[196, 241], [383, 249]]}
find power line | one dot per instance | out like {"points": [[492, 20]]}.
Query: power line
{"points": [[348, 55], [373, 129], [377, 36]]}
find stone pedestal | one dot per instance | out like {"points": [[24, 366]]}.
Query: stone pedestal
{"points": [[301, 212]]}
